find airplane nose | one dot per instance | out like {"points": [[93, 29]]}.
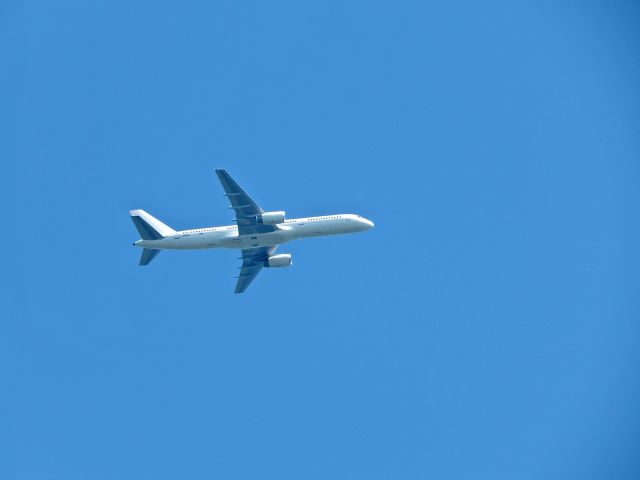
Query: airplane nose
{"points": [[368, 223]]}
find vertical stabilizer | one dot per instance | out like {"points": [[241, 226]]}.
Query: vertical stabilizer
{"points": [[150, 228]]}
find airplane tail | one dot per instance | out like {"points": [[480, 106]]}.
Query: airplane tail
{"points": [[150, 228], [148, 254]]}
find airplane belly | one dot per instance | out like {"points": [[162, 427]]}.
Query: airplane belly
{"points": [[258, 240], [192, 241], [186, 242]]}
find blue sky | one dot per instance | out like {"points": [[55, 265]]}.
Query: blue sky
{"points": [[486, 328]]}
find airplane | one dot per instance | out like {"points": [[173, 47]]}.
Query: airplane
{"points": [[257, 233]]}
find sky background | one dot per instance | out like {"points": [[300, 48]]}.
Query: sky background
{"points": [[486, 328]]}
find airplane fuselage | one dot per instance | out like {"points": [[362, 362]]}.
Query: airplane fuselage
{"points": [[256, 233], [227, 236]]}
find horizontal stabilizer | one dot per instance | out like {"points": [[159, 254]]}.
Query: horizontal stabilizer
{"points": [[148, 254]]}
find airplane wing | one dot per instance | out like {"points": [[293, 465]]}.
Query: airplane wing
{"points": [[247, 210], [252, 262]]}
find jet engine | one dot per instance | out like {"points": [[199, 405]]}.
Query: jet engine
{"points": [[282, 260], [271, 218]]}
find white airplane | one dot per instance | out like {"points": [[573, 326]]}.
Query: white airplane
{"points": [[257, 233]]}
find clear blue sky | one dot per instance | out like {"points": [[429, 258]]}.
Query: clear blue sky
{"points": [[487, 328]]}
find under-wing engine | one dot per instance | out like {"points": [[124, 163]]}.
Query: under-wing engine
{"points": [[282, 260], [271, 218]]}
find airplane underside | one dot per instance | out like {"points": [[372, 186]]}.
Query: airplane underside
{"points": [[257, 233]]}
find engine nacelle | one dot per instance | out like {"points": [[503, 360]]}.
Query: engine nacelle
{"points": [[271, 218], [282, 260]]}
